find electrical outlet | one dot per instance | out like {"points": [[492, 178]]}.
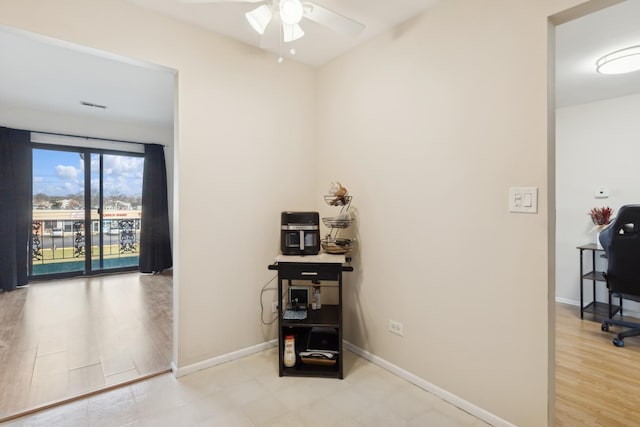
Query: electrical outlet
{"points": [[396, 327], [274, 306]]}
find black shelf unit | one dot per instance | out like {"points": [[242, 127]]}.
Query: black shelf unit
{"points": [[330, 315], [598, 310]]}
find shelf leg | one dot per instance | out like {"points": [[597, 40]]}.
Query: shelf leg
{"points": [[581, 286]]}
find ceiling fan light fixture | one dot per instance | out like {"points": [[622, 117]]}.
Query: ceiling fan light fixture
{"points": [[291, 11], [291, 32], [259, 18], [620, 61]]}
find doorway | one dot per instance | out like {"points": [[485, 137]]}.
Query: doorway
{"points": [[595, 148], [70, 337], [86, 213]]}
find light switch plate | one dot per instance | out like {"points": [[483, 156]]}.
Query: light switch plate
{"points": [[523, 199]]}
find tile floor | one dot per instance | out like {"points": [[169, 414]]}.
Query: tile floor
{"points": [[248, 392]]}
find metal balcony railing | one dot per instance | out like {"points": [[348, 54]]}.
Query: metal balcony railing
{"points": [[64, 241]]}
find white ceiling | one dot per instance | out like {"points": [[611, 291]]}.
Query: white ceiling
{"points": [[319, 44], [50, 75], [45, 74], [581, 42]]}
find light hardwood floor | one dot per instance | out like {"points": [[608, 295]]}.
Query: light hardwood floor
{"points": [[60, 339], [597, 384]]}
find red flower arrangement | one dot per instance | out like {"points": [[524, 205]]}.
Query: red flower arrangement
{"points": [[601, 216]]}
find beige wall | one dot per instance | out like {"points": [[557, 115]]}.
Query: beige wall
{"points": [[244, 130], [428, 125]]}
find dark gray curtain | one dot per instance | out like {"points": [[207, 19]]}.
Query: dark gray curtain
{"points": [[155, 243], [15, 207]]}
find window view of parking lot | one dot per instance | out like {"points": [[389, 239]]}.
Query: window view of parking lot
{"points": [[63, 241]]}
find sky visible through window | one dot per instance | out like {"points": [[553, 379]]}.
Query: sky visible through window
{"points": [[61, 173]]}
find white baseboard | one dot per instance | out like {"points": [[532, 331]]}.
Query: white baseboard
{"points": [[455, 400], [189, 369], [626, 310], [568, 301]]}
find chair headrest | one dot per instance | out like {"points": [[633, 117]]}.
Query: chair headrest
{"points": [[627, 220]]}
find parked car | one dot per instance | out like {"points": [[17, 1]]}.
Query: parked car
{"points": [[57, 232]]}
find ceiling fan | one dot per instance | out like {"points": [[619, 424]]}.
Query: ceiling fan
{"points": [[279, 20]]}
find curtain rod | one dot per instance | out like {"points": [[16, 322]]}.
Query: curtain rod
{"points": [[92, 137]]}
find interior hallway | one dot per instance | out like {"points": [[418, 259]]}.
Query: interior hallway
{"points": [[65, 338]]}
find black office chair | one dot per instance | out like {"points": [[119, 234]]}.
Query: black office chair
{"points": [[621, 243]]}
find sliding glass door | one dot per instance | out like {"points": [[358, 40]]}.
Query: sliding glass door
{"points": [[86, 211], [58, 219], [116, 207]]}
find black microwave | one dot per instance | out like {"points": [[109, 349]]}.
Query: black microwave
{"points": [[300, 233]]}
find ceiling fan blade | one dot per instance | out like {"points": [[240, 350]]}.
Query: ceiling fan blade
{"points": [[271, 36], [332, 20]]}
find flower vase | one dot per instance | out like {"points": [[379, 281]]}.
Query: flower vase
{"points": [[599, 230]]}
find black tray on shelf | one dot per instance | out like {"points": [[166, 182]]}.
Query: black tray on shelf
{"points": [[328, 315]]}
